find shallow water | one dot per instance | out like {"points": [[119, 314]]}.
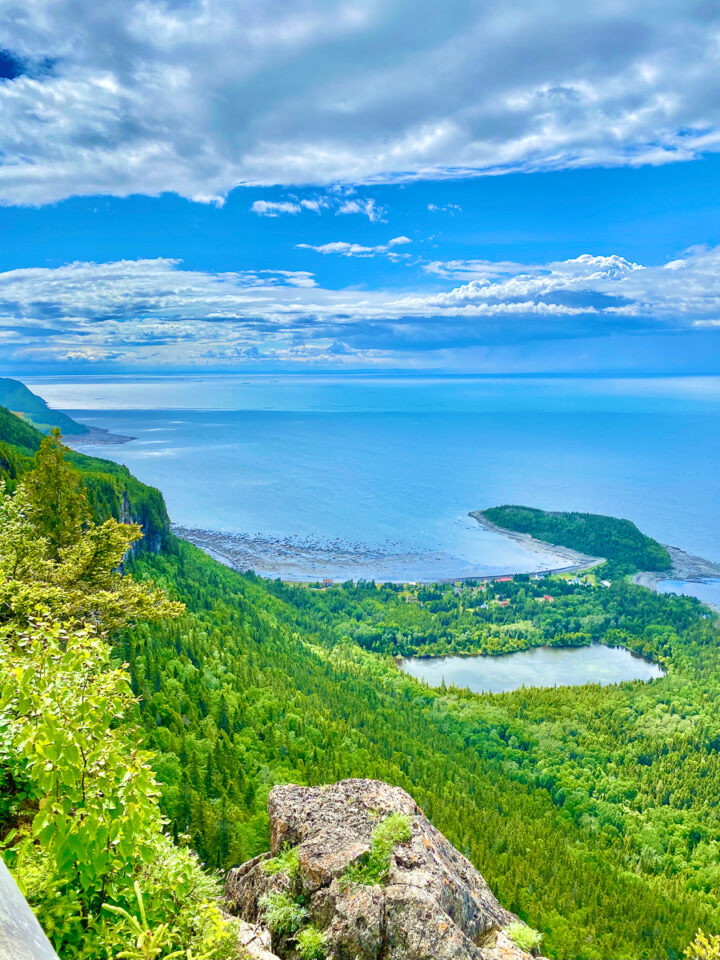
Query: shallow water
{"points": [[374, 477], [706, 590], [538, 667]]}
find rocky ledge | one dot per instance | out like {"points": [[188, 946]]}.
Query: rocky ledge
{"points": [[357, 872]]}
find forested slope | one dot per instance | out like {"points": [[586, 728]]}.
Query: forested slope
{"points": [[112, 491], [592, 812], [17, 397]]}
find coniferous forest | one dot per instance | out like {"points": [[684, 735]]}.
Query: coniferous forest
{"points": [[153, 709]]}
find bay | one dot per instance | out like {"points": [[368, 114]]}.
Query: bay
{"points": [[348, 476]]}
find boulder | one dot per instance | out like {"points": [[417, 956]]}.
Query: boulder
{"points": [[433, 904]]}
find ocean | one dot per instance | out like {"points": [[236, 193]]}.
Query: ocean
{"points": [[374, 477]]}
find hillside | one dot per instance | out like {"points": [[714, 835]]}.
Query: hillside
{"points": [[112, 490], [590, 533], [18, 398], [591, 813], [551, 793]]}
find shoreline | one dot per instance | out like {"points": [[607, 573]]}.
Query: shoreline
{"points": [[94, 436], [577, 561], [685, 567], [236, 551]]}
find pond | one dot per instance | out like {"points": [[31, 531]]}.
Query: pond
{"points": [[538, 667]]}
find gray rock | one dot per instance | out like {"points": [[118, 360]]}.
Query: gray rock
{"points": [[434, 905], [254, 942]]}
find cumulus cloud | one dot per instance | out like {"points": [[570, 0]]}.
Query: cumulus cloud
{"points": [[200, 96], [369, 208], [154, 311], [345, 249]]}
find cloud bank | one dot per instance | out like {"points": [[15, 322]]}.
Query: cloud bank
{"points": [[199, 96], [154, 312]]}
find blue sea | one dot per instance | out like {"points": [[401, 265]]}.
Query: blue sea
{"points": [[360, 476]]}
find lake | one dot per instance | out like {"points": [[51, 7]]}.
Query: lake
{"points": [[538, 667], [348, 477]]}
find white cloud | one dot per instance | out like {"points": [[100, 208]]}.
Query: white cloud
{"points": [[270, 208], [199, 96], [369, 208], [153, 311], [451, 208], [345, 249]]}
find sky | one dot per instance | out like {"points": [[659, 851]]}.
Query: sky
{"points": [[490, 188]]}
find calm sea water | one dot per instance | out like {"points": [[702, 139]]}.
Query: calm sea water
{"points": [[706, 590], [539, 667], [374, 477]]}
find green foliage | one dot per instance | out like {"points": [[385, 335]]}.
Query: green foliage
{"points": [[93, 789], [287, 862], [312, 944], [703, 947], [110, 489], [592, 812], [180, 909], [56, 501], [493, 618], [149, 943], [373, 867], [79, 813], [591, 533], [17, 432], [281, 913], [523, 936], [62, 564]]}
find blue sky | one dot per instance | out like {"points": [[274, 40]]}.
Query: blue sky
{"points": [[470, 190]]}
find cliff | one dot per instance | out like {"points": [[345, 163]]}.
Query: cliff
{"points": [[357, 872]]}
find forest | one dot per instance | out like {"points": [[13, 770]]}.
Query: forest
{"points": [[111, 490], [592, 812], [610, 537]]}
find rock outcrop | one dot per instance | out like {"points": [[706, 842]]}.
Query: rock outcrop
{"points": [[430, 904]]}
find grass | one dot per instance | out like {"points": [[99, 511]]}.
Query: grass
{"points": [[372, 869], [287, 862], [281, 914], [523, 936], [311, 944]]}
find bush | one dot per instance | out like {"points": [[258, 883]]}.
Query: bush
{"points": [[704, 947], [523, 936], [373, 868], [287, 862], [312, 944], [281, 914]]}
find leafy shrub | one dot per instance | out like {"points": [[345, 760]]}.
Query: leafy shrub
{"points": [[704, 947], [281, 914], [523, 936], [373, 868], [312, 944], [287, 862]]}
